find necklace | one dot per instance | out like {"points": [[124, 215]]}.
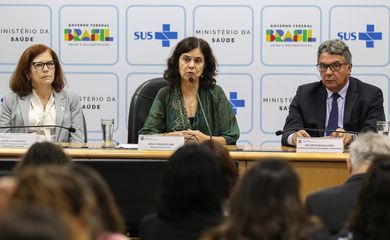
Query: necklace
{"points": [[192, 103]]}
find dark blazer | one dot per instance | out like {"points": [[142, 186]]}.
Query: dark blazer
{"points": [[363, 107], [333, 205], [191, 227]]}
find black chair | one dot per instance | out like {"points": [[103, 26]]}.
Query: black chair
{"points": [[85, 128], [140, 105]]}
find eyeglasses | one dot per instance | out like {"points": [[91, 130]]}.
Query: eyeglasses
{"points": [[333, 67], [41, 65]]}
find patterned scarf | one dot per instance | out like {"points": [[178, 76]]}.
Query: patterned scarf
{"points": [[181, 122]]}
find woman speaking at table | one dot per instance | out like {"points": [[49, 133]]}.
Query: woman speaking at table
{"points": [[176, 110], [39, 98]]}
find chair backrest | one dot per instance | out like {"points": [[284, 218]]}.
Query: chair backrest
{"points": [[85, 128], [140, 105]]}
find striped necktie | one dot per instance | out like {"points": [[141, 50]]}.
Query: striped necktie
{"points": [[334, 114]]}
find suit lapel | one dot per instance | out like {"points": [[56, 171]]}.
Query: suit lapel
{"points": [[320, 104], [351, 97], [60, 103], [25, 109]]}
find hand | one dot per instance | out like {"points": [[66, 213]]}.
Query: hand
{"points": [[347, 137], [176, 133], [195, 135], [300, 133]]}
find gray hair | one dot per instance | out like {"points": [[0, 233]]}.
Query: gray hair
{"points": [[337, 47], [367, 146]]}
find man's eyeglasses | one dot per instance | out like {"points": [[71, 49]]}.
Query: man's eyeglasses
{"points": [[334, 67], [41, 65]]}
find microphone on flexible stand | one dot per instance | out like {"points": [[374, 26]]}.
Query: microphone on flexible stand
{"points": [[280, 132], [191, 79], [70, 129]]}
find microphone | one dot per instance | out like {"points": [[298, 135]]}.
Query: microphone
{"points": [[70, 129], [280, 132], [191, 80]]}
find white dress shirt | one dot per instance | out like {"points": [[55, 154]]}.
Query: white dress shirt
{"points": [[40, 115]]}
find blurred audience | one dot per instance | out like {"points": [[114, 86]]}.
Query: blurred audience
{"points": [[43, 153], [333, 205], [39, 154], [370, 219], [5, 173], [32, 223], [191, 196], [112, 222], [63, 191], [228, 167], [7, 188], [266, 205]]}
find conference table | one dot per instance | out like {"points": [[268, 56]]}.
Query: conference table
{"points": [[133, 175]]}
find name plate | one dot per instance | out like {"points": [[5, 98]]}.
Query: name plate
{"points": [[320, 144], [159, 142], [17, 140]]}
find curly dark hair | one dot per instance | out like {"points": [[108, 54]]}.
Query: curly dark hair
{"points": [[188, 44]]}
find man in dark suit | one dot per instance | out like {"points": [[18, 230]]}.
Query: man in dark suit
{"points": [[333, 205], [338, 102]]}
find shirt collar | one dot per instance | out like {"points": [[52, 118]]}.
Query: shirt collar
{"points": [[36, 102], [342, 93]]}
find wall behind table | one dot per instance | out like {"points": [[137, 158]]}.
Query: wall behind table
{"points": [[265, 49]]}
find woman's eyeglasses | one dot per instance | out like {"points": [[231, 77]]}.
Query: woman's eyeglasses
{"points": [[41, 65]]}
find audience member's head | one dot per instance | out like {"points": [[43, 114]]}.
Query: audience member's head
{"points": [[364, 149], [5, 173], [32, 223], [266, 205], [228, 167], [7, 188], [59, 188], [43, 153], [192, 183], [370, 218], [111, 219]]}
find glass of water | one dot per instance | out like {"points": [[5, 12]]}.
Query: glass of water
{"points": [[107, 130]]}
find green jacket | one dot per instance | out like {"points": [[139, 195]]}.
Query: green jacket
{"points": [[168, 114]]}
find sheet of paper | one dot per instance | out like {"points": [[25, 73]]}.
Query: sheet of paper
{"points": [[127, 146]]}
